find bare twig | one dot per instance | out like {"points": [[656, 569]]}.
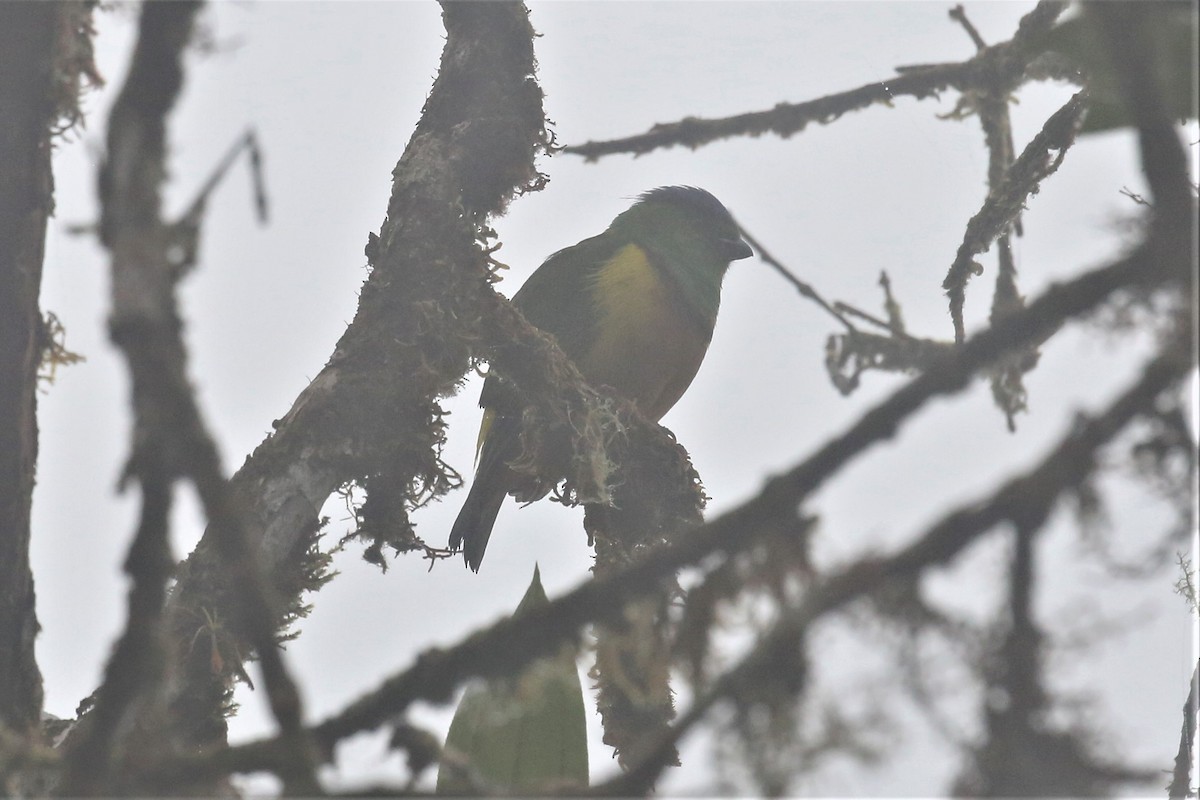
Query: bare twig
{"points": [[1125, 191], [959, 15], [895, 317], [867, 316], [247, 142], [805, 289]]}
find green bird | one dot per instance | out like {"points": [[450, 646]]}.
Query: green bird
{"points": [[633, 308]]}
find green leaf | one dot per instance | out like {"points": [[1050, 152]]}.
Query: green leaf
{"points": [[1169, 32], [525, 733]]}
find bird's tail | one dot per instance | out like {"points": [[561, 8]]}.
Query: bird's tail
{"points": [[499, 438], [473, 527]]}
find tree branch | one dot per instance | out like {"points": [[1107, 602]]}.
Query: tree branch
{"points": [[1006, 200], [1181, 776], [1025, 501], [508, 645], [27, 70], [1005, 63], [370, 413], [169, 438], [805, 289], [143, 314]]}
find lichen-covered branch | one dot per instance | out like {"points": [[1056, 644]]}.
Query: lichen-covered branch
{"points": [[370, 414], [27, 56], [849, 355], [1005, 201], [45, 64], [1008, 389], [508, 645], [1004, 63]]}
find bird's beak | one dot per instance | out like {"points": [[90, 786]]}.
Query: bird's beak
{"points": [[735, 249]]}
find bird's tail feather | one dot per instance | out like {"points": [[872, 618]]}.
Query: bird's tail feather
{"points": [[473, 527]]}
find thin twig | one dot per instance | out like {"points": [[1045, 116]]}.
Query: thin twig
{"points": [[894, 315], [1135, 197], [248, 141], [866, 316], [960, 15], [805, 289]]}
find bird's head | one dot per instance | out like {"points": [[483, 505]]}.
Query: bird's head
{"points": [[689, 234], [685, 221]]}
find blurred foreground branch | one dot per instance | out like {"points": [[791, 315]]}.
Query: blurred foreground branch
{"points": [[1024, 501], [508, 645], [170, 439]]}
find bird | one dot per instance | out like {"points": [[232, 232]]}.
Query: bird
{"points": [[633, 307]]}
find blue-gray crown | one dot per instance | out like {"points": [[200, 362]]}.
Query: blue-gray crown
{"points": [[690, 197]]}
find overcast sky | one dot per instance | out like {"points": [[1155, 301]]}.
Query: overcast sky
{"points": [[334, 89]]}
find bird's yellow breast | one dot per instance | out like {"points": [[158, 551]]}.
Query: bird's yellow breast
{"points": [[629, 291], [647, 347]]}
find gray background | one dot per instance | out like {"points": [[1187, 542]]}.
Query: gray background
{"points": [[334, 91]]}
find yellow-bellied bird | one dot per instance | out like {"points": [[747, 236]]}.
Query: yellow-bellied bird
{"points": [[634, 308]]}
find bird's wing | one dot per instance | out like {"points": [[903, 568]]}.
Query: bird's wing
{"points": [[557, 298]]}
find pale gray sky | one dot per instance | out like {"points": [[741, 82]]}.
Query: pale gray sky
{"points": [[334, 89]]}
